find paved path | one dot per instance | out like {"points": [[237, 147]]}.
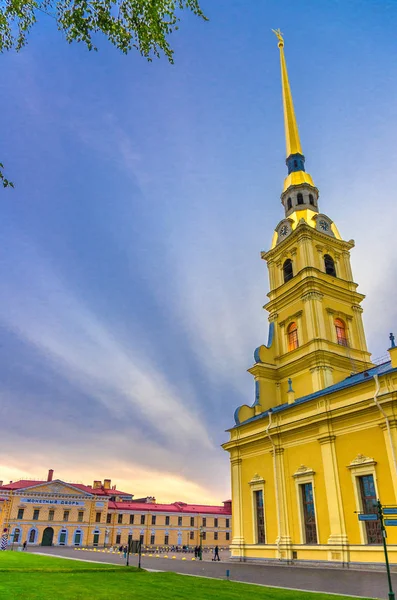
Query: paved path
{"points": [[368, 584]]}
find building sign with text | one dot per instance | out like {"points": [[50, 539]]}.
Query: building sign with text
{"points": [[53, 501]]}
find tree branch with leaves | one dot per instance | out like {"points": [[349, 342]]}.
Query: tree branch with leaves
{"points": [[140, 24]]}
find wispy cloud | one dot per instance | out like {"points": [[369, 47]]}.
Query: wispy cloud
{"points": [[152, 420], [91, 356], [217, 301]]}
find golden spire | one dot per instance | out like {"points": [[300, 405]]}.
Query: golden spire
{"points": [[291, 126]]}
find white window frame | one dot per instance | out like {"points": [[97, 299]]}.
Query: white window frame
{"points": [[302, 335], [257, 484], [305, 475], [360, 466]]}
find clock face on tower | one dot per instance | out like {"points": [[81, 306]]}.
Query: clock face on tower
{"points": [[323, 225], [284, 230]]}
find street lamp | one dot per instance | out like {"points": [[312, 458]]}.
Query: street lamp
{"points": [[201, 543]]}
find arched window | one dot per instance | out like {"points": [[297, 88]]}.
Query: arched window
{"points": [[292, 333], [341, 336], [311, 199], [299, 198], [289, 204], [32, 536], [17, 533], [287, 270], [78, 535], [329, 265], [63, 537], [96, 537]]}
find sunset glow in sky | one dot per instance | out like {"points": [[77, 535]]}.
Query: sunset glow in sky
{"points": [[131, 281]]}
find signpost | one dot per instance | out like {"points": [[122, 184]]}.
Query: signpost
{"points": [[382, 526], [390, 510], [134, 547]]}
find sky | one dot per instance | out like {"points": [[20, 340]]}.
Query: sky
{"points": [[131, 284]]}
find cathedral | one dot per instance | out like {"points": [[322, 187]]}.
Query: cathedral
{"points": [[318, 444]]}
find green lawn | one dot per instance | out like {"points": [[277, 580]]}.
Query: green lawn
{"points": [[33, 577], [23, 561]]}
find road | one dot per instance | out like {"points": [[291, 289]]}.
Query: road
{"points": [[368, 584]]}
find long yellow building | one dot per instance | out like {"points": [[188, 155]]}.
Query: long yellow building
{"points": [[56, 513], [318, 444]]}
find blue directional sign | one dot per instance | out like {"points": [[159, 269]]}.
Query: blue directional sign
{"points": [[371, 517], [391, 522], [390, 511]]}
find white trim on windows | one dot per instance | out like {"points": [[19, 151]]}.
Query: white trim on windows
{"points": [[257, 484], [360, 466], [305, 475]]}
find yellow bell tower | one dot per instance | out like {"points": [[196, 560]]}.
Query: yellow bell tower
{"points": [[316, 334], [319, 444]]}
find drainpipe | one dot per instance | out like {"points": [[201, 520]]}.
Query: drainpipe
{"points": [[387, 421], [275, 481]]}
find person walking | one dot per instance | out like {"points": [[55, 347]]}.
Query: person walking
{"points": [[125, 551], [216, 553], [24, 545]]}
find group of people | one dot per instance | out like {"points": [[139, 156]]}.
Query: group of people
{"points": [[198, 551]]}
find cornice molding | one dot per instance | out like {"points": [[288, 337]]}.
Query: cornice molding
{"points": [[312, 296], [357, 308], [303, 471], [256, 480], [360, 461], [291, 317], [327, 439], [277, 451], [305, 429], [392, 424], [313, 279], [339, 313], [321, 368], [305, 230]]}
